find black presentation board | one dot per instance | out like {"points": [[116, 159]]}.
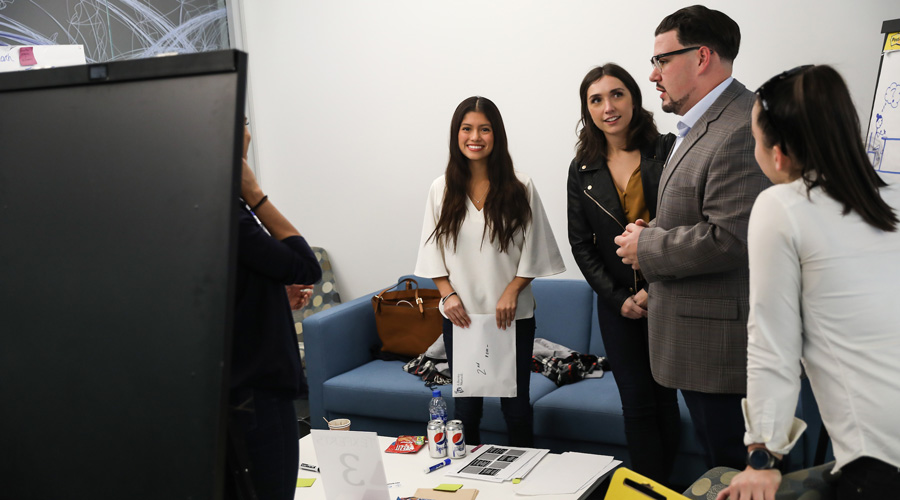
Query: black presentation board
{"points": [[118, 184]]}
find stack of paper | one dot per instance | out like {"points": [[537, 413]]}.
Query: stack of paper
{"points": [[500, 463], [569, 473]]}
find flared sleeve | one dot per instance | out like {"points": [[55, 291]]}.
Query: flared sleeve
{"points": [[430, 261], [540, 253]]}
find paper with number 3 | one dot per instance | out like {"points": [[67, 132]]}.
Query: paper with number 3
{"points": [[351, 465], [484, 359]]}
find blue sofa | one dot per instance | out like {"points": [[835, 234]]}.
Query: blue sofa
{"points": [[346, 381]]}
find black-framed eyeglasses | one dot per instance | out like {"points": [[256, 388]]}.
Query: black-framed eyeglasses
{"points": [[655, 59], [246, 121], [765, 94]]}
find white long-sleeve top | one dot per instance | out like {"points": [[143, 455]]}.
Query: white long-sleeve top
{"points": [[824, 290], [478, 271]]}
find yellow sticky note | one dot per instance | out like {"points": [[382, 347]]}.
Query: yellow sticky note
{"points": [[449, 487], [892, 42], [305, 483], [517, 480]]}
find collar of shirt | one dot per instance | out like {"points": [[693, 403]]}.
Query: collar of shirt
{"points": [[690, 118]]}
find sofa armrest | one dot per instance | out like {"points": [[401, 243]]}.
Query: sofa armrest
{"points": [[337, 341]]}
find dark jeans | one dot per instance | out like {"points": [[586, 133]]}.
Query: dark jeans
{"points": [[719, 423], [652, 421], [267, 422], [867, 478], [517, 411]]}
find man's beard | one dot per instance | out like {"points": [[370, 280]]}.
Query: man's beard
{"points": [[674, 106]]}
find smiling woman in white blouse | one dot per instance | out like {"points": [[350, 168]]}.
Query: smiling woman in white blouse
{"points": [[484, 238], [824, 268]]}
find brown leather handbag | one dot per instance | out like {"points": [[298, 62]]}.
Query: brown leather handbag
{"points": [[408, 320]]}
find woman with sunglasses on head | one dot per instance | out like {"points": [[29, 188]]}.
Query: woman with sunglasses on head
{"points": [[613, 181], [824, 267], [484, 238]]}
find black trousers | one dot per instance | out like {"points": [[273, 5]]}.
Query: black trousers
{"points": [[652, 421], [867, 478], [517, 411], [719, 423], [267, 424]]}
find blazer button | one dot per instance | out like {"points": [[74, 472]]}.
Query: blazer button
{"points": [[590, 187], [631, 290], [583, 167]]}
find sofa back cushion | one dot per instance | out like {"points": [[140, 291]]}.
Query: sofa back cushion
{"points": [[564, 312]]}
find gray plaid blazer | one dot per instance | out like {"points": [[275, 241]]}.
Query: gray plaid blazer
{"points": [[694, 255]]}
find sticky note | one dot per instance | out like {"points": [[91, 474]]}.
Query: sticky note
{"points": [[26, 56], [517, 480], [449, 487], [305, 483]]}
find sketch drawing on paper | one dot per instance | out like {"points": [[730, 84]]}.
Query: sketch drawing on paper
{"points": [[113, 30], [884, 131]]}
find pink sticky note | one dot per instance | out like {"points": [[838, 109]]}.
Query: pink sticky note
{"points": [[26, 56]]}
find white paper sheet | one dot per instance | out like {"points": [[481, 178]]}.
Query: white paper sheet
{"points": [[484, 359], [351, 464], [567, 474], [499, 463]]}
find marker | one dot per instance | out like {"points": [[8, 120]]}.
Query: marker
{"points": [[475, 449], [311, 468], [437, 466]]}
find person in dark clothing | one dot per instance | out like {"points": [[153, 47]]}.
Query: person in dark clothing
{"points": [[613, 181], [266, 373]]}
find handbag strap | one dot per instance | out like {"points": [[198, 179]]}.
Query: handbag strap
{"points": [[409, 282]]}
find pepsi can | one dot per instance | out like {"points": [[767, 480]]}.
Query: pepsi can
{"points": [[437, 439], [456, 439]]}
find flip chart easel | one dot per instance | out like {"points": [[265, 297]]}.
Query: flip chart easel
{"points": [[27, 57]]}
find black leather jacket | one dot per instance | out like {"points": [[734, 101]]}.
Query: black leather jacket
{"points": [[596, 217]]}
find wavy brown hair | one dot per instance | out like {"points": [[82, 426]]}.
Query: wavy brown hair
{"points": [[506, 209], [808, 112], [591, 140]]}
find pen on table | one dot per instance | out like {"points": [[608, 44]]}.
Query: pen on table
{"points": [[311, 468], [437, 466], [475, 449]]}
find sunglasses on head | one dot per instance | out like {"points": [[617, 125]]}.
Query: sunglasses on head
{"points": [[765, 93]]}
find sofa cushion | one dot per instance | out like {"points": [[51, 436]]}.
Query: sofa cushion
{"points": [[492, 418], [591, 410], [563, 314], [380, 389]]}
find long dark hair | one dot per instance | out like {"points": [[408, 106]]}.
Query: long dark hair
{"points": [[591, 140], [808, 112], [506, 208]]}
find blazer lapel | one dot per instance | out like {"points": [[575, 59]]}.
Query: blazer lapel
{"points": [[699, 130]]}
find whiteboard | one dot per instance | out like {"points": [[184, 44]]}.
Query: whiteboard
{"points": [[883, 138]]}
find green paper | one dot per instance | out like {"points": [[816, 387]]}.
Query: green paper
{"points": [[305, 483], [448, 487]]}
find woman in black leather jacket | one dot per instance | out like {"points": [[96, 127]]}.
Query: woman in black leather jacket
{"points": [[613, 181]]}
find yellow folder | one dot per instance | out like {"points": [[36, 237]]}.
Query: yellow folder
{"points": [[629, 485]]}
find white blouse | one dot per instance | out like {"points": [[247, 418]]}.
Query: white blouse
{"points": [[824, 290], [478, 271]]}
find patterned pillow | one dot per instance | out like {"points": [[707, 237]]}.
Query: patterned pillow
{"points": [[324, 296], [815, 483]]}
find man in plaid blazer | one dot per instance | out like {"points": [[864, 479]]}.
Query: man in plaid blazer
{"points": [[694, 254]]}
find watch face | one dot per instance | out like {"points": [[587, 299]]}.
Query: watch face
{"points": [[759, 459]]}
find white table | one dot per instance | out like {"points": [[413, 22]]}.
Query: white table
{"points": [[407, 472]]}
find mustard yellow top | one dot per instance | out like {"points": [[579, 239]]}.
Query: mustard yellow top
{"points": [[632, 199]]}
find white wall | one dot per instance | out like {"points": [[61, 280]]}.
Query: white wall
{"points": [[352, 99]]}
